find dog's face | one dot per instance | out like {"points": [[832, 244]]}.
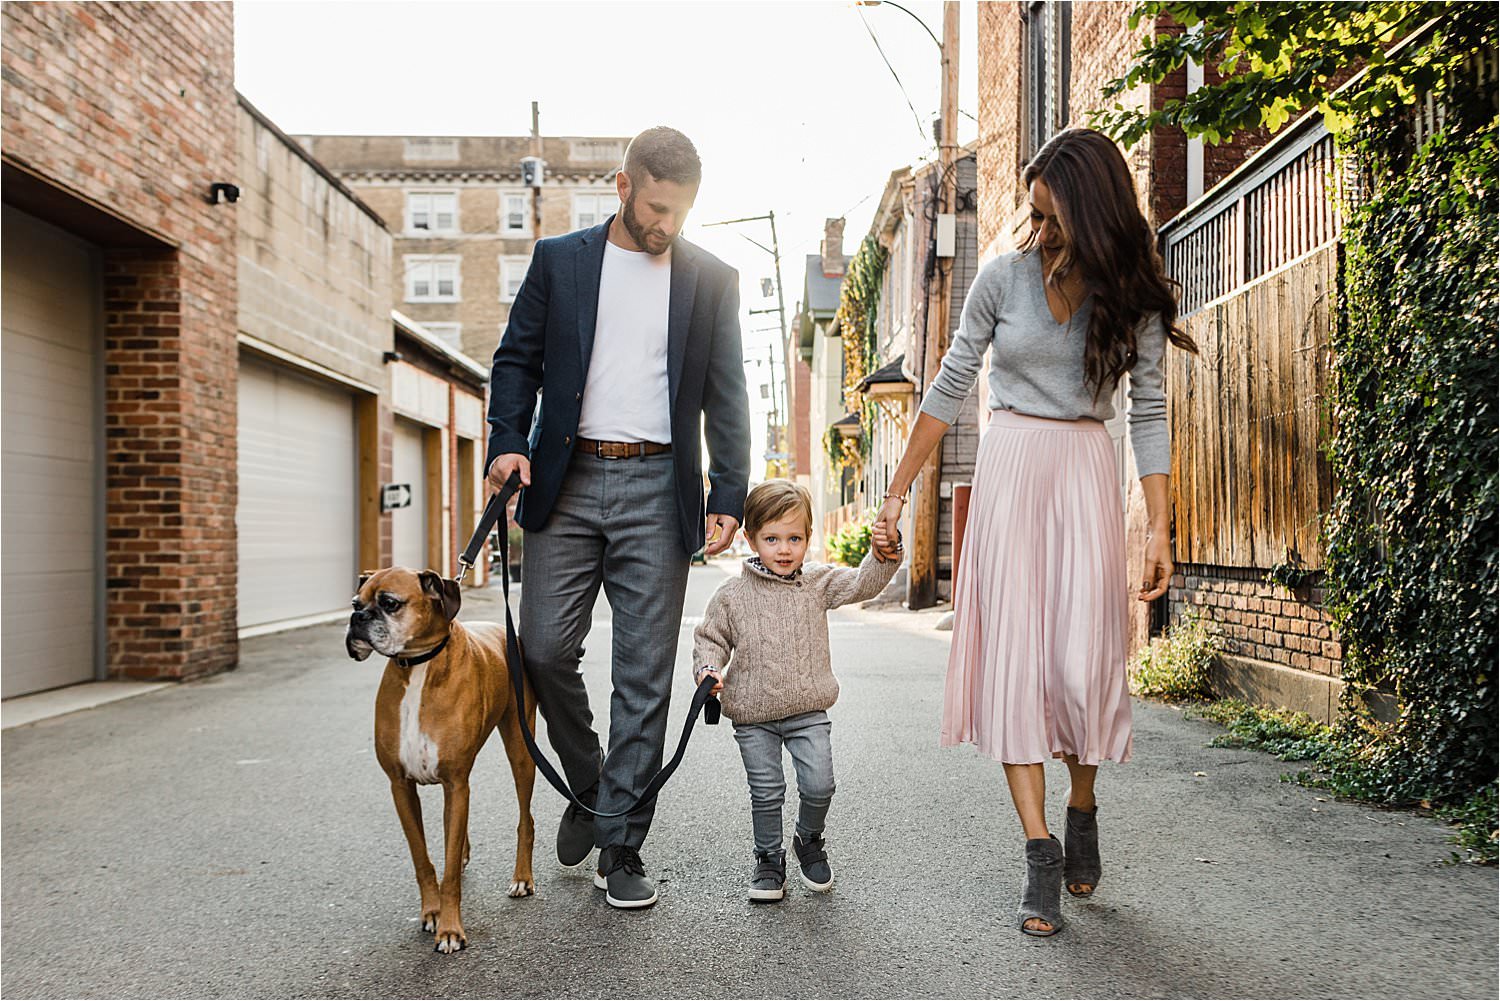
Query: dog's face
{"points": [[396, 608]]}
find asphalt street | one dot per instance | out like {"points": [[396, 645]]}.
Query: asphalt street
{"points": [[235, 837]]}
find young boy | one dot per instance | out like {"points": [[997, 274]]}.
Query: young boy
{"points": [[764, 635]]}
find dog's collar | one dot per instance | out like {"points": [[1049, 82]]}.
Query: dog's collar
{"points": [[423, 658]]}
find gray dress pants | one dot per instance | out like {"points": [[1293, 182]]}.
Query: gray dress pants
{"points": [[614, 523]]}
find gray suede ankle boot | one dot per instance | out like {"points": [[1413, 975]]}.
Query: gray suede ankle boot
{"points": [[1042, 897]]}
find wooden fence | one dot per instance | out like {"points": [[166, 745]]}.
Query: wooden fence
{"points": [[1258, 260], [1249, 420]]}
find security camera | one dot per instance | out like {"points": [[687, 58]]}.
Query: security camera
{"points": [[231, 192]]}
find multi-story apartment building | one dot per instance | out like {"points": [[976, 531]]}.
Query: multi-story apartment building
{"points": [[465, 219]]}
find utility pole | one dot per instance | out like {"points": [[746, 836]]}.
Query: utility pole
{"points": [[780, 400], [921, 589], [536, 191]]}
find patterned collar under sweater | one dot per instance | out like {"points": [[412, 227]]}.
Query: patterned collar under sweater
{"points": [[768, 635]]}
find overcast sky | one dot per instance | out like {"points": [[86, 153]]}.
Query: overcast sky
{"points": [[790, 104]]}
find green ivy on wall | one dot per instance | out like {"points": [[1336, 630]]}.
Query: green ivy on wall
{"points": [[859, 301], [1411, 565]]}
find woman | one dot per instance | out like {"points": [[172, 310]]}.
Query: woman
{"points": [[1037, 666]]}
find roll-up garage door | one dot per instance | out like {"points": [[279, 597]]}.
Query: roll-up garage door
{"points": [[409, 524], [298, 502], [51, 423]]}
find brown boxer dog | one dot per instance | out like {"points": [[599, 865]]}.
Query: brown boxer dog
{"points": [[445, 689]]}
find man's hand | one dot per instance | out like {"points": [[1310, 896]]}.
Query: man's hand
{"points": [[506, 464], [709, 672], [721, 529]]}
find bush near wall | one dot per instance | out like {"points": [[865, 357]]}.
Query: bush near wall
{"points": [[1411, 566]]}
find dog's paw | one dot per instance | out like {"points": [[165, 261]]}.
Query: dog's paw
{"points": [[522, 888], [429, 921], [450, 942]]}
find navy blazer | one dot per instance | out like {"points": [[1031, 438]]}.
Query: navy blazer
{"points": [[547, 345]]}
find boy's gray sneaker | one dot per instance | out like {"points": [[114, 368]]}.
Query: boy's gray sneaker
{"points": [[623, 878], [816, 872], [769, 881]]}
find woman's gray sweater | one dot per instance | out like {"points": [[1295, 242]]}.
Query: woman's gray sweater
{"points": [[1037, 365]]}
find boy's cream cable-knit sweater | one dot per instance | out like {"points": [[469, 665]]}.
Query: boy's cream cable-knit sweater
{"points": [[769, 635]]}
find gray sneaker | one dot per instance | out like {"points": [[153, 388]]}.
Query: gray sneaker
{"points": [[768, 884], [813, 860], [575, 835], [623, 878]]}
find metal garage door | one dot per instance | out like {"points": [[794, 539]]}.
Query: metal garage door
{"points": [[409, 524], [51, 422], [297, 513]]}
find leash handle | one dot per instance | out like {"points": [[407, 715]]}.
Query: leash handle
{"points": [[493, 512], [703, 698]]}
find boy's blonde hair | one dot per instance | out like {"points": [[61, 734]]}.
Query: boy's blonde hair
{"points": [[773, 500]]}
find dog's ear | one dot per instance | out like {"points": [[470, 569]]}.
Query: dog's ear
{"points": [[443, 592]]}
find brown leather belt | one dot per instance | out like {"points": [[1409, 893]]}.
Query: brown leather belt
{"points": [[621, 449]]}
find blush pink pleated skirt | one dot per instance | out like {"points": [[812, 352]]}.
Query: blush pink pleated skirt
{"points": [[1040, 601]]}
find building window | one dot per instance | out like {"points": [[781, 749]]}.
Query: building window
{"points": [[590, 208], [1048, 31], [431, 278], [429, 149], [512, 273], [450, 334], [515, 213], [431, 213]]}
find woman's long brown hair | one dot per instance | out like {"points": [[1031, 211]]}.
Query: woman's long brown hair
{"points": [[1107, 242]]}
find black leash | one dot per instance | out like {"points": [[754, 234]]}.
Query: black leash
{"points": [[703, 697]]}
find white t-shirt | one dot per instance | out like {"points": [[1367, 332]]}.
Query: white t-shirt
{"points": [[626, 396]]}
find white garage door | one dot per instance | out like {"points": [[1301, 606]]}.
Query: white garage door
{"points": [[51, 422], [409, 524], [297, 514]]}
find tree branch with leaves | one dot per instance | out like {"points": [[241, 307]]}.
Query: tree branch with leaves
{"points": [[1280, 59]]}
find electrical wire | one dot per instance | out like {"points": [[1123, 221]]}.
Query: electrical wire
{"points": [[915, 117]]}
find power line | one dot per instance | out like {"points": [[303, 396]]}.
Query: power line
{"points": [[915, 117]]}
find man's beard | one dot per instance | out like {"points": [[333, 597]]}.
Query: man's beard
{"points": [[647, 241]]}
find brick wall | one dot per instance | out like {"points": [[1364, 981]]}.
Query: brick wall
{"points": [[1258, 620], [129, 109]]}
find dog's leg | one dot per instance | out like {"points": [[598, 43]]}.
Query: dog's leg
{"points": [[409, 809], [523, 770], [450, 926]]}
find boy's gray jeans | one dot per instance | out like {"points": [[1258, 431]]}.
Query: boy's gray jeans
{"points": [[808, 737], [614, 524]]}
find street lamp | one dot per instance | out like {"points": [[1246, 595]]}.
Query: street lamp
{"points": [[888, 3]]}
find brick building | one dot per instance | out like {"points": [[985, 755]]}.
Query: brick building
{"points": [[904, 223], [361, 432], [119, 342], [820, 396], [465, 221], [1276, 644]]}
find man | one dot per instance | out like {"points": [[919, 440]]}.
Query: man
{"points": [[633, 337]]}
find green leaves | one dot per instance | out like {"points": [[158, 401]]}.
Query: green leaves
{"points": [[1277, 60], [1412, 534]]}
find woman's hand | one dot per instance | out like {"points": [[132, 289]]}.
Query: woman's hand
{"points": [[709, 672], [886, 531], [1158, 570]]}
